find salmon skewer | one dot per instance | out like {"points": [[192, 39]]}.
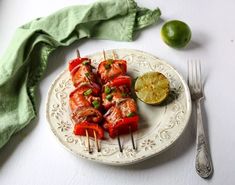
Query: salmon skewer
{"points": [[85, 102], [121, 116]]}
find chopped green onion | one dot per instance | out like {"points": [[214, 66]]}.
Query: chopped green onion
{"points": [[107, 66], [109, 97], [124, 95], [130, 114], [87, 92], [85, 62], [87, 74], [96, 104], [110, 61], [107, 90]]}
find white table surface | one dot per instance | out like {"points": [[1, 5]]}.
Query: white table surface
{"points": [[34, 157]]}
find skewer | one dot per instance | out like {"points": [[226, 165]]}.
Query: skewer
{"points": [[119, 143], [118, 138], [88, 141], [78, 53], [104, 55], [114, 55], [87, 135], [96, 142], [132, 138]]}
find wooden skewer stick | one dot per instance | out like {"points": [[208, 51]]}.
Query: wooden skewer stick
{"points": [[119, 143], [132, 138], [96, 142], [87, 135], [114, 56], [88, 141], [78, 53], [104, 55]]}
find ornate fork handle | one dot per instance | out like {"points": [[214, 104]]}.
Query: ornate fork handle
{"points": [[203, 159]]}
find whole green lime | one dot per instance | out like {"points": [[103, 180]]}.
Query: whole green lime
{"points": [[176, 34]]}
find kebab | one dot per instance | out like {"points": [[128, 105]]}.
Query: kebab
{"points": [[84, 101], [121, 116]]}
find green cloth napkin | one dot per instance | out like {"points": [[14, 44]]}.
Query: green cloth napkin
{"points": [[24, 62]]}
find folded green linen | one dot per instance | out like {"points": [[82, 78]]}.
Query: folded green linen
{"points": [[25, 60]]}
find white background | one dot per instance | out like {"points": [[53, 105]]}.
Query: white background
{"points": [[34, 157]]}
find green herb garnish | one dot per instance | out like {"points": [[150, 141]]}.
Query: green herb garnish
{"points": [[107, 90], [87, 74], [85, 62], [124, 95], [96, 104], [109, 97], [110, 61], [87, 92], [130, 114], [107, 66]]}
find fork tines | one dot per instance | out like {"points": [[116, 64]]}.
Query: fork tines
{"points": [[194, 78]]}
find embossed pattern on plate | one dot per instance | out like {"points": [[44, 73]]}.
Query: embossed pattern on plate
{"points": [[159, 126]]}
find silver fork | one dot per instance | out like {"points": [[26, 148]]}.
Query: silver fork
{"points": [[203, 159]]}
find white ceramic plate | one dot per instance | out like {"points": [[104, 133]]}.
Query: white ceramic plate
{"points": [[159, 126]]}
